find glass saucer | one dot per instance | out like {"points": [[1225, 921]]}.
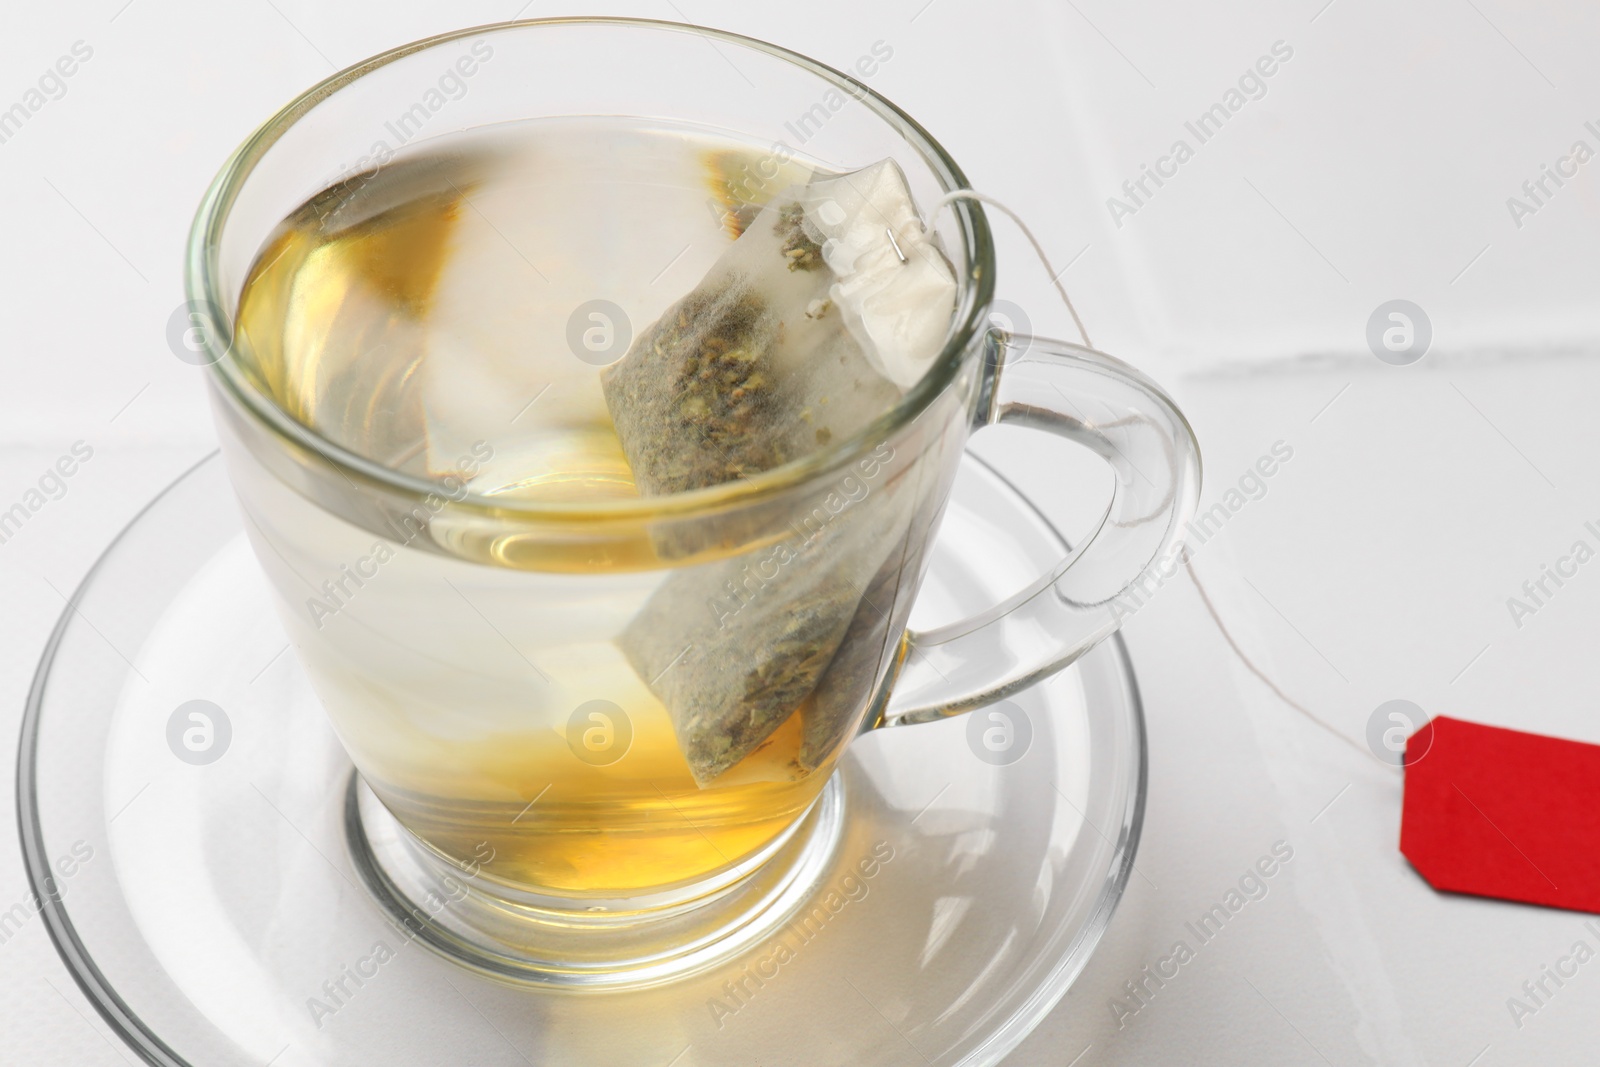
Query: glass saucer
{"points": [[201, 887]]}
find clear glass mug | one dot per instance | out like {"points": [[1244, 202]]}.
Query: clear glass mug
{"points": [[505, 672]]}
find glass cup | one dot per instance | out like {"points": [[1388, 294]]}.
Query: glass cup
{"points": [[524, 683]]}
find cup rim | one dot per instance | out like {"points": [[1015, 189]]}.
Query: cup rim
{"points": [[975, 289]]}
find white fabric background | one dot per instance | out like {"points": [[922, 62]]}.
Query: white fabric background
{"points": [[1377, 166]]}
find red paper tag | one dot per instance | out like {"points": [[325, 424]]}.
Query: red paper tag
{"points": [[1500, 813]]}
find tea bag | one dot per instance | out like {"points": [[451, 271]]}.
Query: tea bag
{"points": [[831, 303], [734, 647]]}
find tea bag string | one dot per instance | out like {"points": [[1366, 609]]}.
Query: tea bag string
{"points": [[1055, 278], [1160, 506], [1233, 643], [1188, 557]]}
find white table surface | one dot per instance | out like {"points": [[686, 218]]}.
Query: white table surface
{"points": [[1376, 566]]}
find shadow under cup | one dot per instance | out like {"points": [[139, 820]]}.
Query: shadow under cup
{"points": [[527, 799]]}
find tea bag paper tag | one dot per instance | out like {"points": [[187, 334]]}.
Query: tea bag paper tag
{"points": [[895, 288], [1500, 813]]}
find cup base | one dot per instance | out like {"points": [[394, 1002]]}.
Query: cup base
{"points": [[549, 941]]}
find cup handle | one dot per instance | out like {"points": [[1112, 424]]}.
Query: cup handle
{"points": [[1104, 404]]}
